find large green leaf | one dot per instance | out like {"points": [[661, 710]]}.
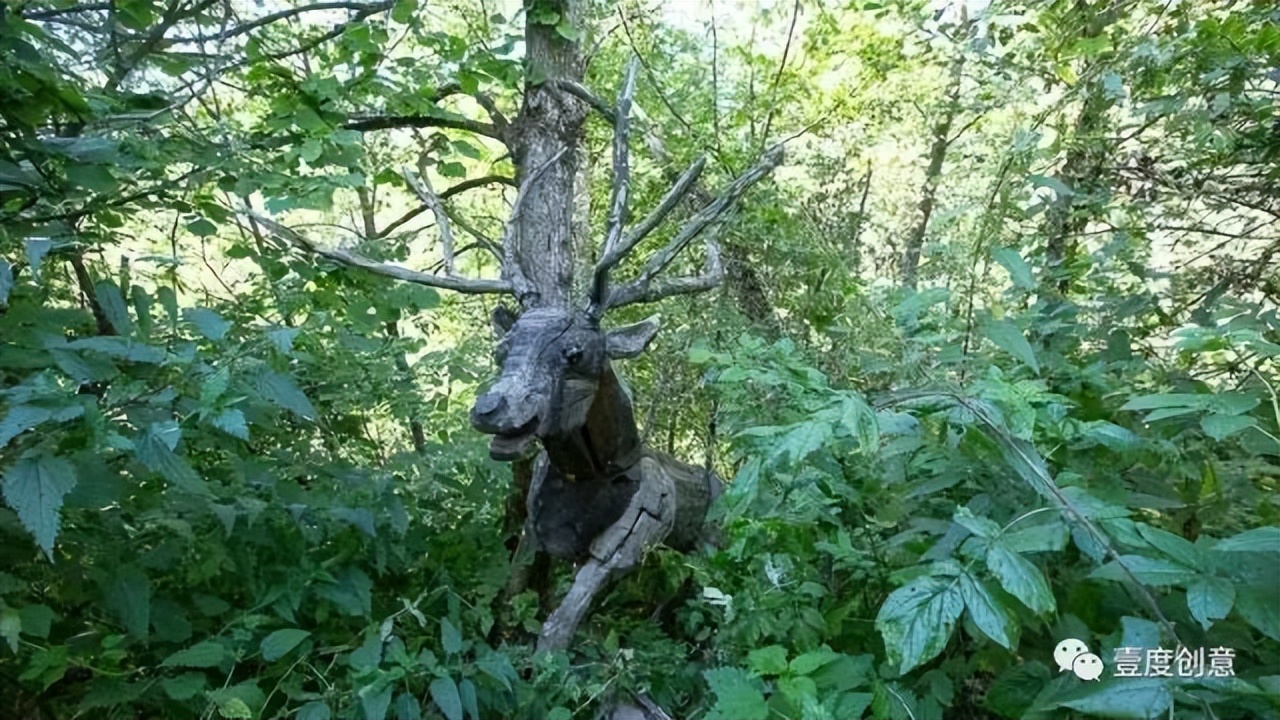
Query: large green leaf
{"points": [[1020, 578], [1009, 338], [739, 696], [1210, 599], [206, 654], [444, 693], [279, 643], [34, 488], [1262, 539], [128, 597], [113, 306], [1152, 571], [988, 612], [916, 620], [281, 390]]}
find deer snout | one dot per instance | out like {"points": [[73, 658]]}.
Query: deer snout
{"points": [[495, 414]]}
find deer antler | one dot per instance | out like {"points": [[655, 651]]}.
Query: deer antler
{"points": [[618, 244]]}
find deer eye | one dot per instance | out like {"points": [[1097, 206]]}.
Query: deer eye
{"points": [[572, 354]]}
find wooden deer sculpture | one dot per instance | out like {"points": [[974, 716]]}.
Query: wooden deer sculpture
{"points": [[597, 492]]}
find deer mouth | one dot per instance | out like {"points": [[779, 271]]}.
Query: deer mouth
{"points": [[512, 445]]}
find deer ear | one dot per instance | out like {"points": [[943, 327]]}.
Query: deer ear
{"points": [[630, 340], [503, 318]]}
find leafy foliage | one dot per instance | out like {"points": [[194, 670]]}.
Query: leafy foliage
{"points": [[239, 482]]}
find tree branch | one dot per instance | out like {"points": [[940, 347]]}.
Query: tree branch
{"points": [[642, 287], [470, 286], [617, 194], [422, 188], [273, 17], [387, 122], [445, 195]]}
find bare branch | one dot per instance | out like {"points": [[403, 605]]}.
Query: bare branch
{"points": [[273, 17], [646, 290], [618, 193], [387, 122], [511, 270], [56, 12], [581, 92], [422, 188], [447, 193], [642, 287], [664, 208], [470, 286]]}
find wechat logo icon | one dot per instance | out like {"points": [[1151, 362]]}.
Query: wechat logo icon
{"points": [[1072, 654]]}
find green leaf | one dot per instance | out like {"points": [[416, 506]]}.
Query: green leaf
{"points": [[36, 620], [1219, 427], [809, 662], [95, 178], [1148, 570], [280, 390], [207, 322], [1259, 605], [980, 526], [1020, 578], [1058, 187], [444, 693], [1009, 338], [113, 307], [990, 615], [232, 422], [34, 488], [1019, 270], [916, 620], [1112, 436], [403, 11], [20, 419], [1050, 537], [128, 597], [739, 696], [1176, 547], [770, 660], [407, 707], [1124, 698], [279, 643], [375, 699], [1209, 599], [206, 654], [450, 638], [233, 708], [184, 686], [154, 450], [120, 348], [314, 710], [1262, 539]]}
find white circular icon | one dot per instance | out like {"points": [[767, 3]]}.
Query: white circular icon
{"points": [[1067, 651], [1087, 666]]}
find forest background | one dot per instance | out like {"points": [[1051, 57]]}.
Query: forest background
{"points": [[994, 363]]}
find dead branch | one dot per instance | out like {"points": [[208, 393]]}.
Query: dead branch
{"points": [[619, 192], [470, 286], [422, 188]]}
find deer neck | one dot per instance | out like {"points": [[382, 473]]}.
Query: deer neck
{"points": [[607, 444]]}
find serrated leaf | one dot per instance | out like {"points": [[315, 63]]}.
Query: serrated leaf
{"points": [[1259, 605], [279, 643], [739, 696], [470, 703], [20, 419], [153, 449], [917, 619], [1210, 599], [280, 390], [1262, 539], [233, 708], [113, 307], [207, 322], [34, 488], [282, 338], [990, 615], [807, 663], [232, 422], [1177, 548], [120, 348], [1050, 537], [361, 518], [1148, 570], [206, 654], [444, 693], [1019, 270], [771, 660], [184, 686], [980, 526], [450, 637], [128, 597], [1009, 338], [1020, 578], [1124, 698]]}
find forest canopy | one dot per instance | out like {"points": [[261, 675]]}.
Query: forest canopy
{"points": [[974, 306]]}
